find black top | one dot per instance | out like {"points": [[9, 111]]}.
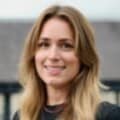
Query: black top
{"points": [[106, 111], [51, 112]]}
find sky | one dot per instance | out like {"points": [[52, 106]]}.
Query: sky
{"points": [[30, 9]]}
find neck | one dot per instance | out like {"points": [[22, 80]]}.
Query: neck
{"points": [[56, 95]]}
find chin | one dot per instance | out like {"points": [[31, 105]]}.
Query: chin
{"points": [[52, 82], [56, 83]]}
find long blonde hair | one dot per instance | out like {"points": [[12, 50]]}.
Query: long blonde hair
{"points": [[84, 96]]}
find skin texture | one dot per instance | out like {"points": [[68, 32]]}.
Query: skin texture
{"points": [[55, 58]]}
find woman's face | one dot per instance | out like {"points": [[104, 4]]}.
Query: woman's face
{"points": [[55, 58]]}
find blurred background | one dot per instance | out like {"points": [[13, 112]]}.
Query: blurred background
{"points": [[16, 19]]}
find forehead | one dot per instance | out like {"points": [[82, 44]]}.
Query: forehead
{"points": [[56, 27]]}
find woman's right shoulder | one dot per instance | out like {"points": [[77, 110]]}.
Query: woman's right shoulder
{"points": [[16, 116]]}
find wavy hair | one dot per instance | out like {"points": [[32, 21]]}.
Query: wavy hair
{"points": [[84, 95]]}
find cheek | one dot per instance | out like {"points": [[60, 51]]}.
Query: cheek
{"points": [[71, 59], [73, 64], [38, 60], [38, 63], [39, 56]]}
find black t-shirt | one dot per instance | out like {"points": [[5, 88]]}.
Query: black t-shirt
{"points": [[50, 112], [106, 111]]}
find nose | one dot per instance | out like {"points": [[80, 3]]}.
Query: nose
{"points": [[53, 53]]}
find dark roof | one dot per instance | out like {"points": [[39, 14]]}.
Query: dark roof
{"points": [[12, 35]]}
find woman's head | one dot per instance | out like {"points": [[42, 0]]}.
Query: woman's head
{"points": [[81, 32], [55, 59], [80, 55]]}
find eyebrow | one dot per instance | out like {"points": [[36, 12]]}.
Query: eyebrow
{"points": [[61, 39], [44, 39]]}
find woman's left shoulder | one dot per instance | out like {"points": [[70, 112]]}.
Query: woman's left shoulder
{"points": [[108, 111]]}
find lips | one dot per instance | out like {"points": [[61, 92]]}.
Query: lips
{"points": [[54, 70]]}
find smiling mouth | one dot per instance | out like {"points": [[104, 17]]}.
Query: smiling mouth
{"points": [[54, 70]]}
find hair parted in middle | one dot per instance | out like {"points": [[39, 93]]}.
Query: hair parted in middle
{"points": [[84, 95]]}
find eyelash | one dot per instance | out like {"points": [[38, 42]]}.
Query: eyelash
{"points": [[67, 45], [62, 45], [43, 44]]}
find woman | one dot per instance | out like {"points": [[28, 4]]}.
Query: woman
{"points": [[59, 70]]}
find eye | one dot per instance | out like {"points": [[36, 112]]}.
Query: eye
{"points": [[67, 46], [43, 45]]}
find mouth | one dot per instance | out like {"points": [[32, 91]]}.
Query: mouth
{"points": [[54, 70]]}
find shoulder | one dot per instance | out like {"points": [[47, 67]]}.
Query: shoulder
{"points": [[16, 116], [108, 111]]}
